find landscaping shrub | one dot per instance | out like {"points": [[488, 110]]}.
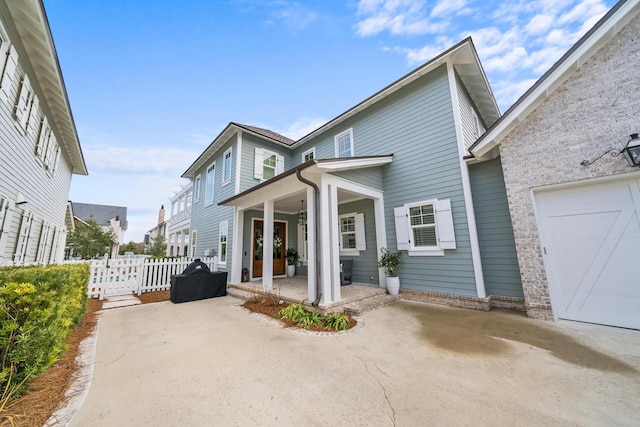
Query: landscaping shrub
{"points": [[38, 308], [306, 319]]}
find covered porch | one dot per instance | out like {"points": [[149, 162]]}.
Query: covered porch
{"points": [[344, 219]]}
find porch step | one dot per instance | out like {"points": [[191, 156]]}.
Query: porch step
{"points": [[120, 301], [371, 303]]}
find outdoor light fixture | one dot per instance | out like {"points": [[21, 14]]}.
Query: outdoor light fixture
{"points": [[631, 152], [302, 214]]}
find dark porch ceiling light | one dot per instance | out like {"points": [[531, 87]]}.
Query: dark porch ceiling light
{"points": [[631, 152], [302, 214]]}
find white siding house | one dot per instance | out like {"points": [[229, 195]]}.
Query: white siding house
{"points": [[39, 146]]}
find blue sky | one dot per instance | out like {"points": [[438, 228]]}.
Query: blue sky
{"points": [[152, 83]]}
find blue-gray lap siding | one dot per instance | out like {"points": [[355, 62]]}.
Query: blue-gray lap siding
{"points": [[416, 125], [205, 220], [495, 231], [365, 265]]}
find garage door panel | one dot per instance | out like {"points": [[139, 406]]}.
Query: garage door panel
{"points": [[593, 236]]}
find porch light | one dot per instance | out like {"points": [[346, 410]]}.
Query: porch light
{"points": [[302, 214], [631, 152]]}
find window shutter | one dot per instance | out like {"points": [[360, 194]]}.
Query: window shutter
{"points": [[32, 123], [279, 164], [42, 138], [56, 159], [361, 241], [402, 228], [8, 74], [23, 237], [444, 224], [23, 103], [258, 163], [5, 220], [51, 147]]}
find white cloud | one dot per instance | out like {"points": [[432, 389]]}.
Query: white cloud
{"points": [[400, 17], [302, 127], [295, 16], [446, 7], [138, 160]]}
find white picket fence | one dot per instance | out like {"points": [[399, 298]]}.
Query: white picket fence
{"points": [[123, 276]]}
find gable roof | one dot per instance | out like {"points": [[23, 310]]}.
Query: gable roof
{"points": [[32, 26], [464, 58], [101, 213], [585, 48]]}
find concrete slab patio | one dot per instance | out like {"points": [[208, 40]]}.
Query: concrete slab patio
{"points": [[210, 363]]}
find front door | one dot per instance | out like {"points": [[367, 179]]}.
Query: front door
{"points": [[279, 249]]}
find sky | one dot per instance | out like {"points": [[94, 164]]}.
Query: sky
{"points": [[151, 83]]}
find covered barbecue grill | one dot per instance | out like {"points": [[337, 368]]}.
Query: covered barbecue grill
{"points": [[198, 282]]}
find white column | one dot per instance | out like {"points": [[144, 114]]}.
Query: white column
{"points": [[335, 248], [267, 246], [180, 244], [326, 243], [311, 243], [236, 246], [381, 237]]}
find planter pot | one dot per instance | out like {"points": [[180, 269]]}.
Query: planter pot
{"points": [[393, 285], [291, 270]]}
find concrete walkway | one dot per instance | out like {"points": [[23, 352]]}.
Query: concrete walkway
{"points": [[210, 363]]}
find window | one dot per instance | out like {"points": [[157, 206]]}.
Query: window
{"points": [[309, 155], [226, 167], [267, 164], [192, 243], [211, 177], [344, 144], [196, 189], [352, 234], [23, 104], [222, 242], [425, 228]]}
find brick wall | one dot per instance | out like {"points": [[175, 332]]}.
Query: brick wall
{"points": [[594, 110]]}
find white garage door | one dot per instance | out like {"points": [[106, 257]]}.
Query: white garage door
{"points": [[591, 236]]}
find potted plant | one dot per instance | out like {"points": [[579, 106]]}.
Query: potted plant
{"points": [[292, 260], [390, 261]]}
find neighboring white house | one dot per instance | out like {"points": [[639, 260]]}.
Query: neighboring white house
{"points": [[39, 145], [110, 218], [178, 223], [159, 230]]}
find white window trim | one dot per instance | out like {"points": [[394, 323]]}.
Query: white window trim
{"points": [[193, 241], [196, 188], [361, 243], [340, 135], [443, 224], [224, 166], [258, 162], [220, 260], [310, 151], [213, 184]]}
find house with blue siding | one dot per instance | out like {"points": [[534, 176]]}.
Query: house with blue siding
{"points": [[389, 172]]}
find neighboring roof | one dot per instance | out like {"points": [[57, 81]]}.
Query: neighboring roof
{"points": [[32, 25], [320, 165], [101, 213], [465, 61], [223, 136], [585, 48]]}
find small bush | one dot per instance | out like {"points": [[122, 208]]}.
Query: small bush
{"points": [[38, 308], [295, 312], [306, 319], [336, 321]]}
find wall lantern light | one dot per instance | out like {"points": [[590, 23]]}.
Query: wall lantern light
{"points": [[631, 152]]}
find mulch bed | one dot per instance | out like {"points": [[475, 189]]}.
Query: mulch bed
{"points": [[46, 392]]}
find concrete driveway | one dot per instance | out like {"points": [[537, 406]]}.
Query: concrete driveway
{"points": [[209, 363]]}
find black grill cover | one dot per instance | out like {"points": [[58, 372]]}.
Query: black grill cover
{"points": [[196, 266]]}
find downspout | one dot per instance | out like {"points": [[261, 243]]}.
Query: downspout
{"points": [[316, 231]]}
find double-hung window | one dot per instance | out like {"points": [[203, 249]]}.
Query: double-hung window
{"points": [[208, 190], [196, 188], [222, 242], [309, 155], [425, 228], [352, 234], [226, 167], [267, 164], [344, 144]]}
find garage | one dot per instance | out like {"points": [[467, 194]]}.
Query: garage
{"points": [[590, 236]]}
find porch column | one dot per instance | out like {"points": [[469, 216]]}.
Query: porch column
{"points": [[381, 237], [311, 244], [330, 264], [236, 245], [267, 246], [179, 244], [335, 247]]}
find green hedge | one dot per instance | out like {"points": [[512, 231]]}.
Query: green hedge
{"points": [[38, 308]]}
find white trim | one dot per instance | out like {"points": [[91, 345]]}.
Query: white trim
{"points": [[268, 216], [310, 151], [238, 161], [236, 247], [197, 183], [358, 231], [228, 151], [351, 143], [466, 186], [221, 262], [351, 164], [311, 245], [193, 243]]}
